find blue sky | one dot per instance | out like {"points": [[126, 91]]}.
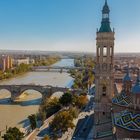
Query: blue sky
{"points": [[67, 25]]}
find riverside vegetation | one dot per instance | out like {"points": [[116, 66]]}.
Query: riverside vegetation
{"points": [[23, 68], [67, 108], [47, 61], [69, 105], [84, 78]]}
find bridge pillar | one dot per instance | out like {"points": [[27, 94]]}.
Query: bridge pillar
{"points": [[61, 70], [15, 92], [46, 92]]}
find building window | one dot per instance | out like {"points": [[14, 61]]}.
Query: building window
{"points": [[103, 113]]}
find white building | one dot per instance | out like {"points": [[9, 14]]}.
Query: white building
{"points": [[17, 62]]}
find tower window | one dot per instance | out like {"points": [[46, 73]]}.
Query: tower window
{"points": [[98, 51], [105, 16], [104, 91], [111, 51], [105, 51]]}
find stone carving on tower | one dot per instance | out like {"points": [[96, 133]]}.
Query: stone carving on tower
{"points": [[104, 76]]}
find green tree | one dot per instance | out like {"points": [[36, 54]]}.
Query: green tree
{"points": [[46, 138], [82, 101], [83, 78], [52, 106], [42, 115], [49, 107], [74, 112], [66, 99], [33, 121], [13, 134], [62, 121]]}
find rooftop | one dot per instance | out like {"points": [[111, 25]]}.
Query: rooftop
{"points": [[127, 120], [122, 99]]}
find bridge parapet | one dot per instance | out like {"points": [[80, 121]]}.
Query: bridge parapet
{"points": [[45, 90]]}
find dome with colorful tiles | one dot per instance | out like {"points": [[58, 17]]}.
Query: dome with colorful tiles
{"points": [[136, 87], [127, 77], [128, 120]]}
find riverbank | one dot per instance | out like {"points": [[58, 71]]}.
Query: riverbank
{"points": [[40, 78], [48, 61], [21, 69], [83, 78], [30, 105], [24, 68]]}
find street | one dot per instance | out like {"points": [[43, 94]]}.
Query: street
{"points": [[86, 123]]}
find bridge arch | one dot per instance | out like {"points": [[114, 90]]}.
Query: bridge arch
{"points": [[57, 94], [5, 88], [30, 97], [42, 90], [5, 95], [30, 89], [17, 90]]}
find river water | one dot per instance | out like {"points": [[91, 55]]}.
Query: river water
{"points": [[16, 114]]}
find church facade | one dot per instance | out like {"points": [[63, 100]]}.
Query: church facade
{"points": [[104, 63], [104, 76], [117, 115]]}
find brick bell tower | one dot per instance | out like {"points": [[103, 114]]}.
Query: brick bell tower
{"points": [[104, 75]]}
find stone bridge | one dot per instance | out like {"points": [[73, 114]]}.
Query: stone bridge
{"points": [[17, 90]]}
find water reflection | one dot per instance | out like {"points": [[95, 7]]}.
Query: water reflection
{"points": [[31, 102]]}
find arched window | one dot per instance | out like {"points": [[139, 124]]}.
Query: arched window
{"points": [[111, 51], [99, 51], [105, 51], [104, 90]]}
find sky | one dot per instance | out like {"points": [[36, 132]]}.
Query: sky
{"points": [[66, 25]]}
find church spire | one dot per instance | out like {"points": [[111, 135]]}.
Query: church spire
{"points": [[127, 77], [138, 77], [106, 8], [105, 24]]}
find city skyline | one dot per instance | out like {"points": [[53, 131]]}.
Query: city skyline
{"points": [[66, 25]]}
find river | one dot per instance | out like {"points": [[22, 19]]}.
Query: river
{"points": [[16, 114]]}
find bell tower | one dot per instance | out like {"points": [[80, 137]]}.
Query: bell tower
{"points": [[104, 75]]}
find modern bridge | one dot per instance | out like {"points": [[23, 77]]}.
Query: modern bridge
{"points": [[59, 68]]}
